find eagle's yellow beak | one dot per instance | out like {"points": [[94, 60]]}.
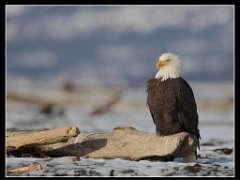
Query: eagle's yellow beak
{"points": [[160, 63]]}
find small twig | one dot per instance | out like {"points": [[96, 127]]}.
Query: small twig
{"points": [[107, 105]]}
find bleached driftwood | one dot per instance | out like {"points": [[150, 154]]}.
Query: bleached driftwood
{"points": [[17, 140], [26, 168], [127, 143]]}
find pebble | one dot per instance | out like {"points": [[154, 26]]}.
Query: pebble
{"points": [[122, 172]]}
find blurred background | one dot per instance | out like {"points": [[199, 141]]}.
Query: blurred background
{"points": [[117, 45], [88, 65]]}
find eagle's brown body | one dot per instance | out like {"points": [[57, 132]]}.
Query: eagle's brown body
{"points": [[172, 106]]}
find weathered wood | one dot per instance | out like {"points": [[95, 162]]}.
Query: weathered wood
{"points": [[26, 168], [16, 140], [126, 143]]}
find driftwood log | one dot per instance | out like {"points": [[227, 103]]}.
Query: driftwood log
{"points": [[25, 168], [126, 143], [17, 140]]}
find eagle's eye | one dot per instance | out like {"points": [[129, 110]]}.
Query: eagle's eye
{"points": [[167, 60]]}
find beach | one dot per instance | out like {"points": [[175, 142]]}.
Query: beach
{"points": [[216, 124]]}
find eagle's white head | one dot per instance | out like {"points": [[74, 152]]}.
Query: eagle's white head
{"points": [[169, 66]]}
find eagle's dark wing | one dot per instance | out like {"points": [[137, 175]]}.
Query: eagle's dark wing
{"points": [[151, 93], [187, 109], [152, 116]]}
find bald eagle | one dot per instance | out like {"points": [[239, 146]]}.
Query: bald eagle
{"points": [[170, 99]]}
